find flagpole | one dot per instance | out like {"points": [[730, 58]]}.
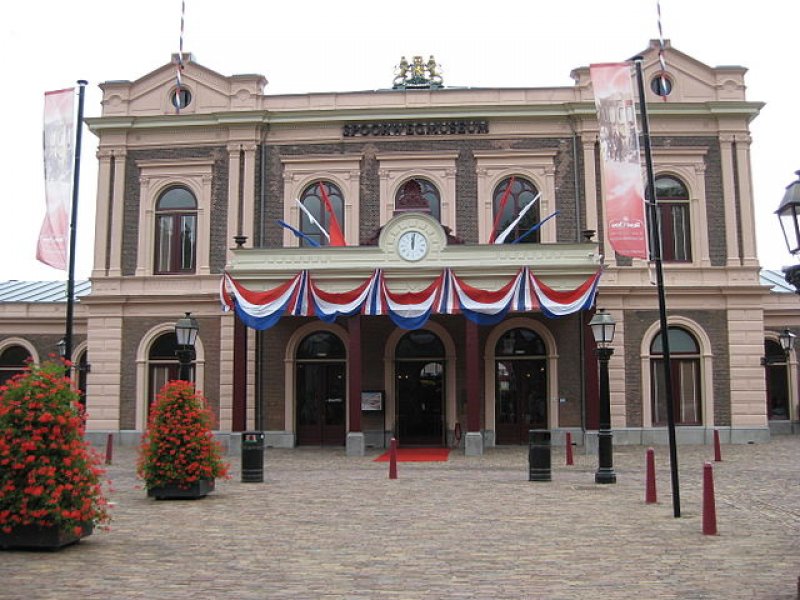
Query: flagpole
{"points": [[73, 224], [655, 254]]}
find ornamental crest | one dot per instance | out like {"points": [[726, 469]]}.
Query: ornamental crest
{"points": [[417, 75]]}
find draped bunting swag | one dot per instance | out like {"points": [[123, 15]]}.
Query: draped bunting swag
{"points": [[447, 294]]}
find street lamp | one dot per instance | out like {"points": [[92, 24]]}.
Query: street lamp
{"points": [[186, 329], [789, 213], [62, 347], [603, 326], [786, 338]]}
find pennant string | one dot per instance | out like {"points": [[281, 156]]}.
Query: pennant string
{"points": [[661, 60], [179, 64]]}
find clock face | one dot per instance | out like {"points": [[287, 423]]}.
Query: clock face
{"points": [[412, 245]]}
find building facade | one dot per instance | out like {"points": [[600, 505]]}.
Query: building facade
{"points": [[420, 178]]}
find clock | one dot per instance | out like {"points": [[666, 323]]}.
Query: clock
{"points": [[412, 245]]}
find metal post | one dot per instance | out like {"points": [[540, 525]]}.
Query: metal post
{"points": [[184, 354], [605, 448], [655, 251], [73, 225]]}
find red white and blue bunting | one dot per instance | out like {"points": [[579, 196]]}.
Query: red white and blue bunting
{"points": [[447, 294]]}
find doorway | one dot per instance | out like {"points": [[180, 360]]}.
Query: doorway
{"points": [[520, 386], [320, 388], [420, 389]]}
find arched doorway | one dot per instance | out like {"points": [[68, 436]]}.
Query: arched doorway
{"points": [[520, 386], [420, 391], [777, 381], [320, 389], [162, 364]]}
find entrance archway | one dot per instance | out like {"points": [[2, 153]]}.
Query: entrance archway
{"points": [[420, 389], [520, 386], [320, 389]]}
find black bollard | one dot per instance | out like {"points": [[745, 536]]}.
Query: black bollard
{"points": [[539, 455]]}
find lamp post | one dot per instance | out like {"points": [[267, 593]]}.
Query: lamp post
{"points": [[788, 212], [786, 338], [603, 325], [186, 329]]}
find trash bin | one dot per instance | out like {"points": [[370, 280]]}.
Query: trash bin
{"points": [[539, 455], [252, 456]]}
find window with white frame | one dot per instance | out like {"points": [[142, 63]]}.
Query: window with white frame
{"points": [[674, 219], [685, 363], [176, 232], [313, 202], [508, 204]]}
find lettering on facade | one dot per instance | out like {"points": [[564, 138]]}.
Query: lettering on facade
{"points": [[415, 128]]}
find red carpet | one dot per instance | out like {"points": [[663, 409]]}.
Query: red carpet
{"points": [[417, 455]]}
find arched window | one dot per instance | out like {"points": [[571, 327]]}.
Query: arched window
{"points": [[13, 360], [162, 364], [321, 345], [687, 402], [521, 194], [418, 195], [314, 203], [674, 220], [176, 231]]}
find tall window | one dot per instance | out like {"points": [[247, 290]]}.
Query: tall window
{"points": [[163, 364], [13, 360], [176, 231], [685, 372], [673, 216], [419, 195], [521, 194], [313, 202]]}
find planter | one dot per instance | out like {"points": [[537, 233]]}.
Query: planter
{"points": [[178, 490], [36, 537]]}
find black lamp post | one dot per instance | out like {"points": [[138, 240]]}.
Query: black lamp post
{"points": [[186, 329], [603, 325], [788, 212]]}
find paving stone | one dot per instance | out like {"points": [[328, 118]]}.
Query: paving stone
{"points": [[323, 525]]}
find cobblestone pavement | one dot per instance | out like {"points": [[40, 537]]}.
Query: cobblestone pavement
{"points": [[326, 526]]}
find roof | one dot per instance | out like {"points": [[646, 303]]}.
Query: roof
{"points": [[41, 291], [776, 281]]}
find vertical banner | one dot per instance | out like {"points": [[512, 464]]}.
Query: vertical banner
{"points": [[59, 133], [623, 190]]}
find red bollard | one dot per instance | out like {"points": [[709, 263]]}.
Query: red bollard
{"points": [[393, 459], [570, 460], [650, 486], [709, 507], [717, 451], [109, 448]]}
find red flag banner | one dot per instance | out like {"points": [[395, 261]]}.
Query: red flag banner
{"points": [[58, 141], [623, 190], [337, 238]]}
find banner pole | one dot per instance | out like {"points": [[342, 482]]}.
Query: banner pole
{"points": [[73, 224], [655, 255]]}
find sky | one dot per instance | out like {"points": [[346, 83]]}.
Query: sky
{"points": [[349, 45]]}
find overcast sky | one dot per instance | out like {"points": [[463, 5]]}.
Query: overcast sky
{"points": [[347, 45]]}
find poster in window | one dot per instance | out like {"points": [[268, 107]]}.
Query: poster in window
{"points": [[372, 401]]}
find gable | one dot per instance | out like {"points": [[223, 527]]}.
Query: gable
{"points": [[151, 95]]}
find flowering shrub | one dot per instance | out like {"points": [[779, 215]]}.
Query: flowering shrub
{"points": [[48, 474], [178, 446]]}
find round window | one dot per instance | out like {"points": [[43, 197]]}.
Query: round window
{"points": [[181, 97], [661, 85]]}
